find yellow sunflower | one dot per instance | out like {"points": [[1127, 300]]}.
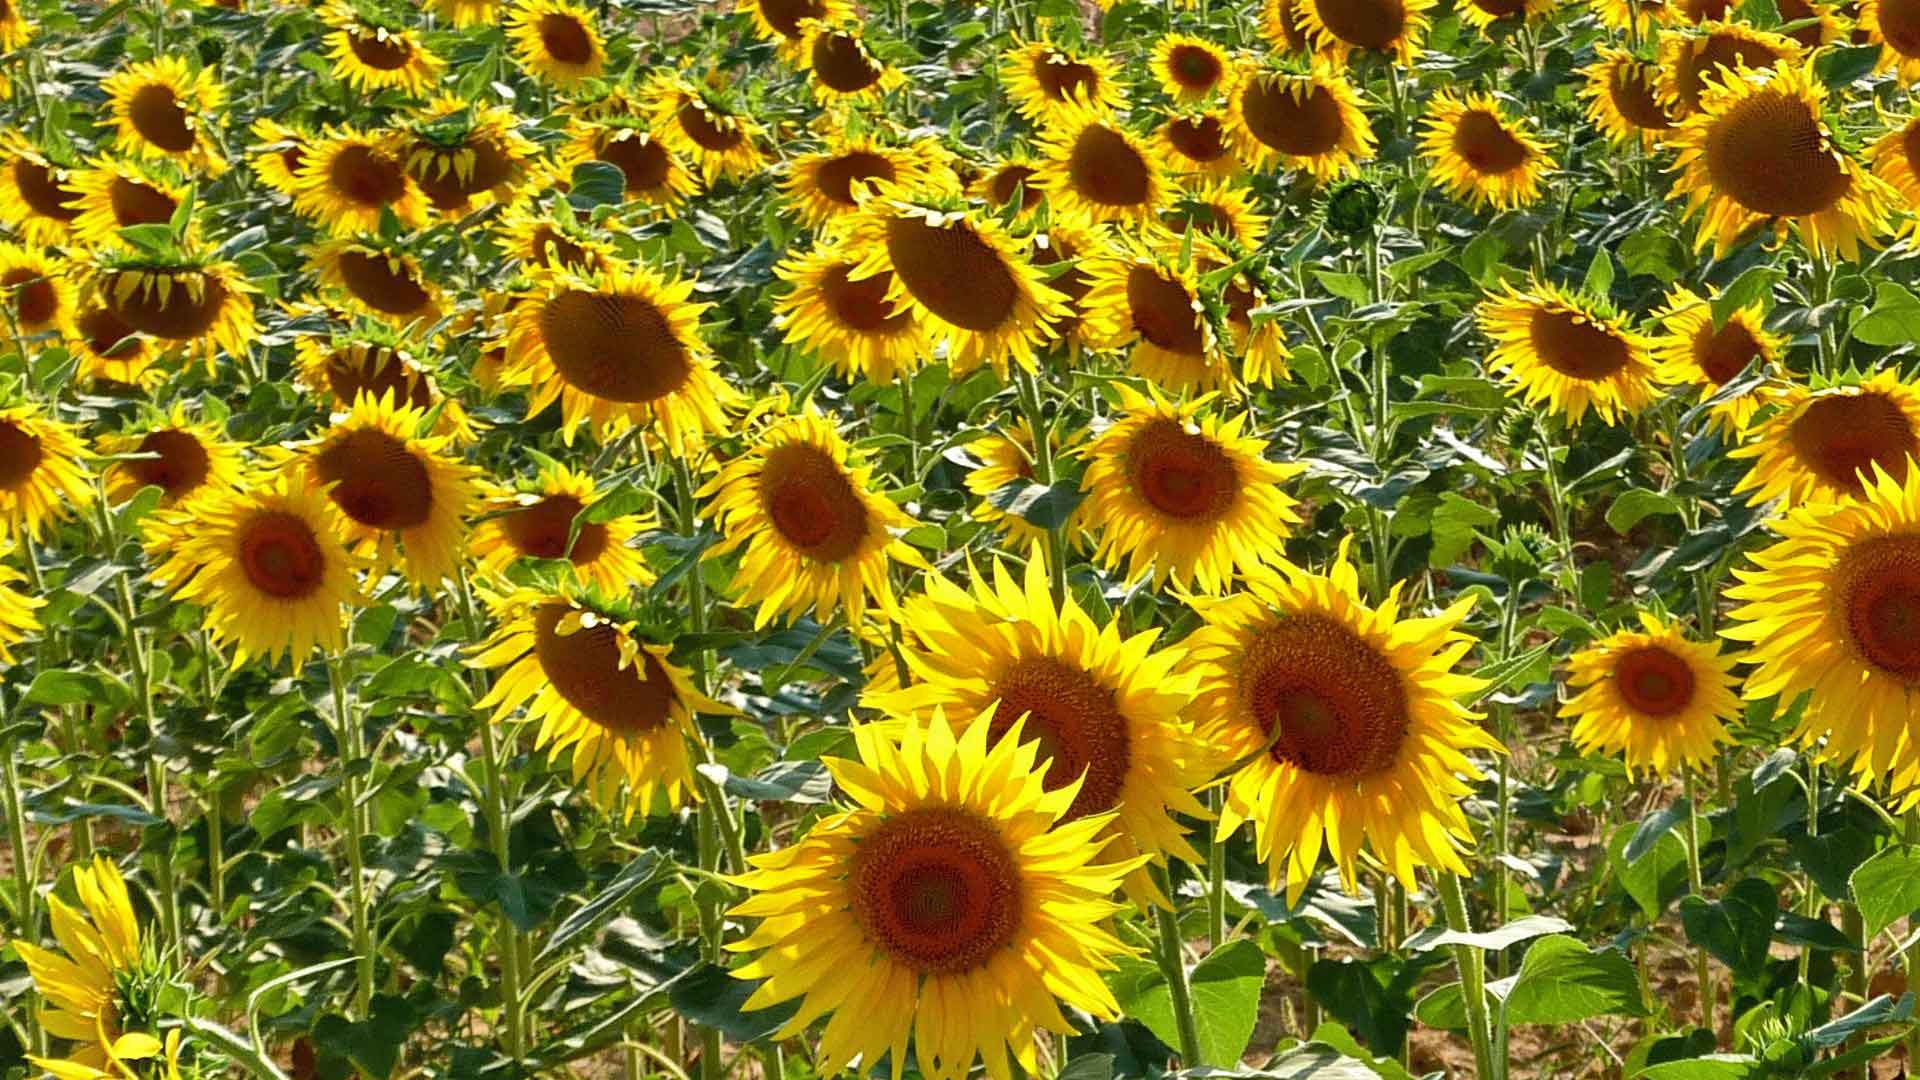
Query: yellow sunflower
{"points": [[1691, 352], [1346, 720], [464, 156], [849, 325], [269, 567], [961, 274], [38, 289], [1220, 212], [1075, 244], [1096, 170], [1280, 24], [1393, 28], [1012, 176], [43, 479], [1821, 23], [164, 109], [381, 279], [111, 351], [281, 150], [547, 240], [117, 194], [36, 193], [539, 523], [371, 57], [1638, 18], [369, 361], [1191, 68], [813, 534], [19, 612], [1310, 122], [841, 66], [1691, 59], [1557, 348], [106, 982], [1652, 696], [617, 348], [1759, 152], [1262, 342], [1042, 77], [783, 21], [1480, 155], [1483, 14], [620, 708], [1831, 610], [556, 41], [824, 187], [954, 904], [1823, 445], [190, 460], [654, 174], [721, 142], [1006, 458], [190, 302], [1176, 492], [1623, 98], [1894, 25], [1198, 142], [1141, 299], [1106, 710], [349, 178], [465, 14], [15, 28], [1896, 161]]}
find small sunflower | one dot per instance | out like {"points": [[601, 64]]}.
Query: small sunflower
{"points": [[349, 178], [112, 351], [1198, 142], [783, 22], [1006, 458], [1283, 29], [190, 460], [1480, 155], [1142, 300], [653, 172], [270, 568], [618, 706], [277, 157], [1220, 212], [36, 193], [1636, 17], [1310, 122], [1042, 77], [378, 278], [543, 521], [464, 156], [371, 56], [841, 67], [1347, 720], [824, 187], [1894, 25], [556, 41], [1260, 340], [1653, 696], [1097, 170], [1392, 28], [1557, 348], [118, 194], [812, 533], [188, 301], [1691, 59], [721, 142], [849, 325], [955, 901], [1013, 176], [1191, 68], [1485, 14], [553, 241], [371, 361], [1824, 445], [164, 109], [1691, 352], [38, 288], [1623, 98], [1176, 492], [43, 479], [1896, 161], [94, 994], [1759, 152]]}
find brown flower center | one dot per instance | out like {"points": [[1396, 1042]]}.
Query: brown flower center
{"points": [[1841, 436], [1486, 145], [954, 272], [1900, 26], [1910, 145], [1367, 24], [379, 373], [1577, 346], [540, 531], [709, 130], [448, 189], [180, 469], [366, 177], [179, 317], [158, 117], [1063, 79], [281, 556], [1198, 138], [377, 282], [1768, 154], [1164, 312], [1286, 19], [377, 481], [862, 305], [812, 504], [20, 455], [1631, 89], [1653, 681], [35, 300], [565, 39], [1331, 703], [836, 176], [584, 668], [1501, 9], [842, 65], [1105, 169], [1011, 178], [937, 889], [1193, 67], [785, 16], [1724, 353], [618, 347], [547, 247], [390, 53], [1879, 596], [644, 162], [1076, 724], [1298, 124], [43, 193], [135, 203], [108, 336], [1181, 473]]}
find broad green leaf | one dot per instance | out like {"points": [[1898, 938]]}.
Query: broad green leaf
{"points": [[1533, 926], [1887, 888], [1737, 928], [1712, 1067], [1562, 982], [1632, 507], [1755, 285], [636, 875], [1894, 318]]}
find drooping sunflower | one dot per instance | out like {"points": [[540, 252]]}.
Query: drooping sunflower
{"points": [[956, 902], [36, 192], [281, 150], [96, 995], [824, 187], [1310, 122], [1191, 68], [961, 275], [1691, 59], [1484, 14], [1554, 347], [1623, 98], [369, 360], [1894, 25], [654, 174], [111, 351], [783, 21], [373, 55], [1104, 707], [552, 240], [1896, 160], [849, 325], [1198, 142], [270, 568], [192, 459], [39, 288], [617, 348], [1096, 169], [349, 178], [164, 109], [1653, 696], [1175, 492], [187, 300], [464, 156], [117, 194], [1221, 212], [1141, 299], [1392, 28], [1480, 155], [556, 41], [840, 65], [1042, 77], [813, 534], [539, 521], [379, 278], [1759, 152], [1822, 444], [1691, 352], [1347, 720], [697, 123], [1006, 458], [618, 706], [1831, 609], [43, 479]]}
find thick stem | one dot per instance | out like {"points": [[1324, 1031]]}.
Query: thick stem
{"points": [[347, 732], [1217, 874], [1912, 955], [1028, 392], [1473, 979], [1702, 968], [1810, 905], [1562, 523], [24, 887], [1173, 965]]}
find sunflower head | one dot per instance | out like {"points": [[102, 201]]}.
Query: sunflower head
{"points": [[556, 41], [849, 324], [652, 172], [840, 64], [1393, 28], [1480, 155], [1623, 97], [163, 108], [1571, 353], [1692, 58], [1895, 26], [1823, 444], [183, 298], [824, 187], [1191, 68], [187, 459], [37, 196], [783, 22], [1097, 170], [370, 360], [1042, 77], [545, 520], [1693, 352], [1652, 696], [43, 474], [705, 125], [463, 156], [1147, 299], [374, 50], [38, 287], [380, 278]]}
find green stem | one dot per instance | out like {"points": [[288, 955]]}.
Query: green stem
{"points": [[1810, 905], [1173, 965], [1702, 969], [712, 926], [1217, 874], [1912, 955], [24, 886], [1562, 527], [347, 732], [1028, 392], [1473, 979]]}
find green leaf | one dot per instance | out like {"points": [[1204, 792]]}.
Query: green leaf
{"points": [[1737, 928], [1349, 287], [1039, 505], [596, 183], [1894, 318], [1533, 926], [711, 997], [1226, 999], [1632, 507], [1654, 253], [1599, 274], [1653, 827], [636, 875], [1534, 665], [59, 688], [1454, 522], [1088, 1067], [1562, 982], [1754, 285], [1839, 66], [1655, 879], [182, 214], [1712, 1067], [1887, 888]]}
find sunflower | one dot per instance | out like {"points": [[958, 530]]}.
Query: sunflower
{"points": [[1105, 709], [1823, 445], [185, 300], [115, 195], [464, 156], [1198, 142], [1281, 26], [955, 902], [465, 14], [556, 41], [1310, 122], [1896, 161], [824, 187], [1654, 697], [1006, 459], [1393, 28], [1096, 170], [1831, 609], [1484, 14], [381, 279], [1220, 212], [848, 325], [841, 66], [1623, 98], [19, 612], [1042, 77], [1759, 151], [1894, 25], [1075, 244], [1691, 59], [348, 179], [721, 142], [107, 982], [111, 351], [1191, 68], [1821, 23], [190, 460], [281, 150], [370, 361], [653, 172], [1013, 176], [814, 536], [1141, 299], [1260, 341], [1555, 347], [38, 290], [619, 706], [783, 22], [1347, 720], [372, 56], [1479, 155], [164, 109], [541, 522], [270, 568], [961, 275], [15, 28], [1175, 492], [1635, 17], [552, 241], [1691, 352], [37, 198], [42, 477]]}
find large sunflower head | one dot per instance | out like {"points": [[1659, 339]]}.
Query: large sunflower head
{"points": [[1142, 298], [849, 325], [1393, 28], [824, 187], [1479, 154], [653, 172], [840, 65], [1623, 98], [371, 361], [1658, 699], [1191, 68], [187, 300], [1198, 141], [617, 348], [783, 22], [164, 109], [1309, 122], [1692, 58], [39, 289], [1006, 459], [955, 899], [812, 532], [464, 156], [43, 477], [1042, 77], [348, 179], [556, 41], [36, 192], [1894, 25], [372, 53], [702, 125], [379, 278], [1823, 445], [1097, 170], [543, 521], [1691, 351], [617, 705], [187, 459], [1176, 492], [1759, 151], [120, 193], [1573, 354], [1346, 721]]}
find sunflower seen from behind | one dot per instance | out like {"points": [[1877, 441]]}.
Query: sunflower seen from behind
{"points": [[1654, 697], [556, 42], [163, 108], [44, 478], [958, 900], [464, 156], [1823, 442], [1308, 122], [1568, 352], [542, 521], [185, 299], [1691, 351], [848, 325], [1480, 155]]}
